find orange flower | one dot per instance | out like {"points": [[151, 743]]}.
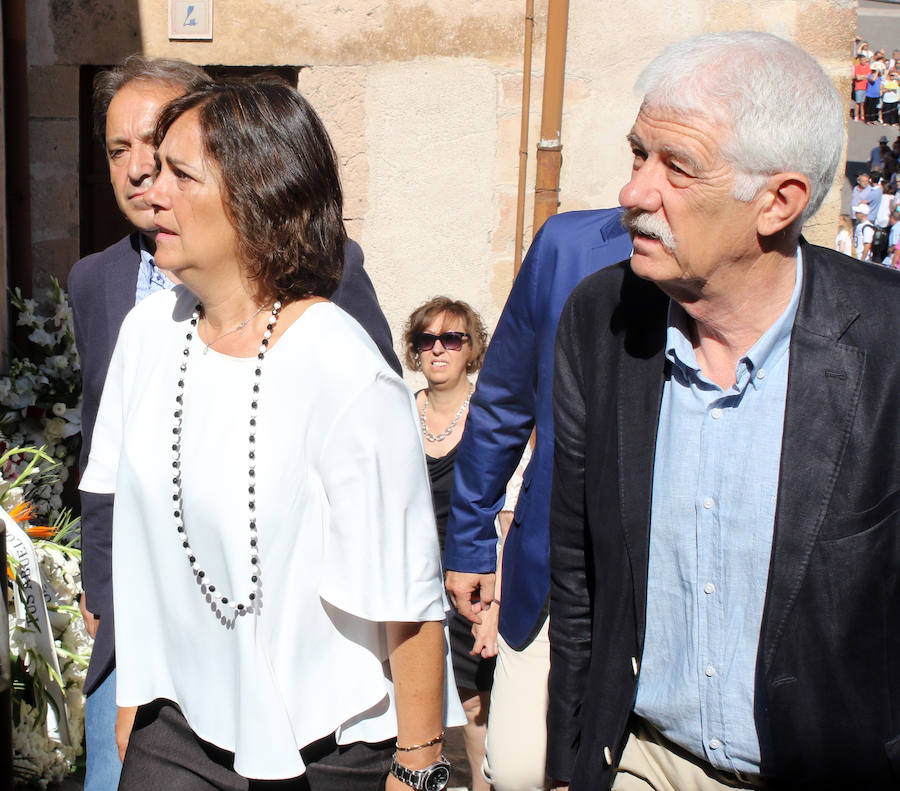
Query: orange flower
{"points": [[40, 531], [10, 572], [22, 512]]}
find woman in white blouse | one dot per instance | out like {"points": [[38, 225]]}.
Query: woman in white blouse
{"points": [[276, 571]]}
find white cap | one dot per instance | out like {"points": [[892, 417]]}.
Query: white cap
{"points": [[861, 208]]}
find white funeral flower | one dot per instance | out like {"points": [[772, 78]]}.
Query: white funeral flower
{"points": [[63, 314], [27, 317], [55, 429], [42, 338]]}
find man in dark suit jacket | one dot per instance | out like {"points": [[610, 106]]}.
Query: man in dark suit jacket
{"points": [[725, 538], [103, 287]]}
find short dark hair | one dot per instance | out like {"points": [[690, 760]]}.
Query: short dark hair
{"points": [[280, 182], [420, 318], [137, 68]]}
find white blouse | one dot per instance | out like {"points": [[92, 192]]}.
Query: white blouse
{"points": [[346, 532]]}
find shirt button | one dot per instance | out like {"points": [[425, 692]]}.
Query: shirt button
{"points": [[761, 374], [710, 671], [709, 588], [716, 413], [607, 756], [634, 664], [714, 744], [708, 503]]}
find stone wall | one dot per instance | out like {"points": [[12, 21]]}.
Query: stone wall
{"points": [[422, 98]]}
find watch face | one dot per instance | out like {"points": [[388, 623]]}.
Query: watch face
{"points": [[437, 779]]}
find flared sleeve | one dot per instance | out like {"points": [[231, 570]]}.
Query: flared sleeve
{"points": [[381, 554]]}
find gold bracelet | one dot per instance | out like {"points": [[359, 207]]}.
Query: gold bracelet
{"points": [[435, 740]]}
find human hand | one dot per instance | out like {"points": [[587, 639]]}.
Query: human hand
{"points": [[91, 622], [471, 594], [485, 633], [124, 724]]}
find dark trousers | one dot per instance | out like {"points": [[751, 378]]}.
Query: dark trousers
{"points": [[164, 753], [871, 108], [889, 112]]}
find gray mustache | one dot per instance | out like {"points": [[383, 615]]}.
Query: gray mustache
{"points": [[651, 225]]}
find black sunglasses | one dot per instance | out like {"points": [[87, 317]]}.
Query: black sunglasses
{"points": [[451, 341]]}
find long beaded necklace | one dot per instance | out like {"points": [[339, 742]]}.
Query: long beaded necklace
{"points": [[449, 430], [200, 575]]}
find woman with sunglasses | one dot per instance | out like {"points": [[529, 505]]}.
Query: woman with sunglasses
{"points": [[446, 340], [275, 570]]}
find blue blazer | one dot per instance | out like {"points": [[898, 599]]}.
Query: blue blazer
{"points": [[102, 290], [514, 395]]}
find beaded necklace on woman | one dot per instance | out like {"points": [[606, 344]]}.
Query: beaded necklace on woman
{"points": [[245, 606]]}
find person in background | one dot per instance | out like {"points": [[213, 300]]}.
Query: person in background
{"points": [[890, 95], [861, 71], [876, 193], [271, 505], [892, 258], [843, 242], [445, 339], [864, 233], [876, 157], [873, 96], [863, 192]]}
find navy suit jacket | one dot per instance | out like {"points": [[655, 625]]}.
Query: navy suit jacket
{"points": [[514, 395], [102, 291], [827, 697]]}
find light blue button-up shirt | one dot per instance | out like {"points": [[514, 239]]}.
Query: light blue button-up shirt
{"points": [[150, 277], [715, 482]]}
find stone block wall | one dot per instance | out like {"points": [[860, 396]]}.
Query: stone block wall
{"points": [[422, 98]]}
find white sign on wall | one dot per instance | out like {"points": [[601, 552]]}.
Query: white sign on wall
{"points": [[191, 20]]}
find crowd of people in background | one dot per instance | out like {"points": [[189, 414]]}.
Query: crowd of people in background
{"points": [[876, 84], [872, 230]]}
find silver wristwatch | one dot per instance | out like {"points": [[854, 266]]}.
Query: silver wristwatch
{"points": [[431, 778]]}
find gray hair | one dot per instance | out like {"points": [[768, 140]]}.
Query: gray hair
{"points": [[743, 80], [168, 71]]}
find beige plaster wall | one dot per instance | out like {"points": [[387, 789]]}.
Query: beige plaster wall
{"points": [[422, 98]]}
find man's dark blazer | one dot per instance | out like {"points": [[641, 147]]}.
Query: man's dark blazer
{"points": [[102, 290], [514, 394], [828, 667]]}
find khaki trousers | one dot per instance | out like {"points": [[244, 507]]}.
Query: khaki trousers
{"points": [[651, 762], [517, 721]]}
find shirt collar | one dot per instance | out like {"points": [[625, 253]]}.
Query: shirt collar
{"points": [[146, 255], [764, 353], [155, 277]]}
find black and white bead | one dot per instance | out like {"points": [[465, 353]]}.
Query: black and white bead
{"points": [[202, 578]]}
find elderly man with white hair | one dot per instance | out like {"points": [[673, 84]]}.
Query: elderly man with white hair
{"points": [[725, 539]]}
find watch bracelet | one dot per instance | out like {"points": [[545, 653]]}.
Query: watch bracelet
{"points": [[414, 778]]}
